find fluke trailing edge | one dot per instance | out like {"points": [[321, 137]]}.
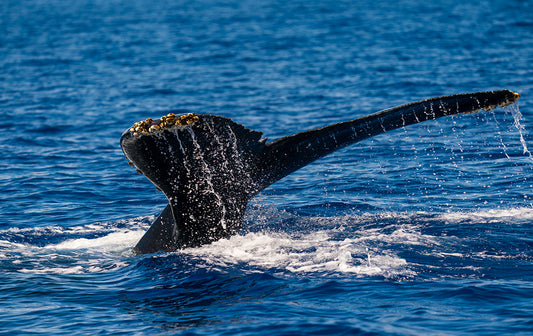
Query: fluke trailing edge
{"points": [[209, 167]]}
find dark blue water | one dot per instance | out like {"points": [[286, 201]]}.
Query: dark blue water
{"points": [[424, 230]]}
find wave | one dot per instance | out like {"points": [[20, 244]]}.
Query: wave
{"points": [[390, 245]]}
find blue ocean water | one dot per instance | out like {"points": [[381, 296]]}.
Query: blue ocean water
{"points": [[423, 230]]}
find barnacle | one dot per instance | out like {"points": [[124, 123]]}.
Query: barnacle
{"points": [[168, 122]]}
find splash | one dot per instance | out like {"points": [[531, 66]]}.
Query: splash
{"points": [[515, 112]]}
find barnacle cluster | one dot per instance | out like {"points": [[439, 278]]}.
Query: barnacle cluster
{"points": [[168, 122]]}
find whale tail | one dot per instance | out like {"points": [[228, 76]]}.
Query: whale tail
{"points": [[209, 167]]}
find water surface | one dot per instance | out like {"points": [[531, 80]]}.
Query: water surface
{"points": [[423, 230]]}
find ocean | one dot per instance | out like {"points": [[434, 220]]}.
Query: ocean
{"points": [[425, 230]]}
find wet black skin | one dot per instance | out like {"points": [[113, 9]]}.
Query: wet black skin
{"points": [[210, 170]]}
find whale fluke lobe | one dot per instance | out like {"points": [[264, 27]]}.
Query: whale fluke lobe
{"points": [[290, 153], [209, 167], [204, 167]]}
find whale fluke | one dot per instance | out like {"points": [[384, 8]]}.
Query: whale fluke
{"points": [[209, 167]]}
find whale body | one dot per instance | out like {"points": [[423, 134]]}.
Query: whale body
{"points": [[209, 167]]}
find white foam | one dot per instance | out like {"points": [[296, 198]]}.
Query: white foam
{"points": [[78, 255], [305, 253], [7, 245], [55, 270], [491, 214], [76, 269], [351, 244], [113, 242]]}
